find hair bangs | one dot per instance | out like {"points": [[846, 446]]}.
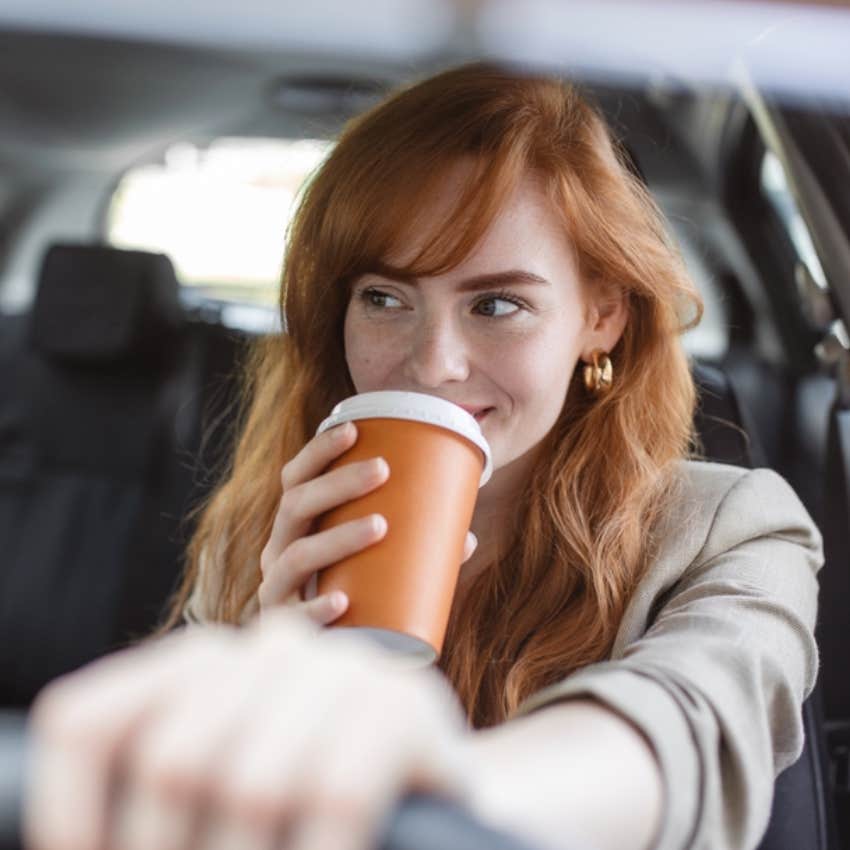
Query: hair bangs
{"points": [[414, 233]]}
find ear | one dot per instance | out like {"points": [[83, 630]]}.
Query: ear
{"points": [[607, 314]]}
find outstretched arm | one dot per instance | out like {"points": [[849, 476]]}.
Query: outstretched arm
{"points": [[279, 735], [575, 774]]}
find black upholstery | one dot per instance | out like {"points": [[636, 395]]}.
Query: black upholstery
{"points": [[99, 444], [801, 817], [95, 303], [834, 615], [723, 425], [802, 813]]}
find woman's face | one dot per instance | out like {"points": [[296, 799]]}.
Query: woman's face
{"points": [[500, 334]]}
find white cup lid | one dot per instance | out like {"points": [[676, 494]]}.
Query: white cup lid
{"points": [[417, 407]]}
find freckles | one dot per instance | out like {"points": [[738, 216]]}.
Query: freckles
{"points": [[370, 364], [364, 366], [519, 346], [515, 365]]}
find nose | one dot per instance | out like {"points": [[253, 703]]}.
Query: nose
{"points": [[438, 355]]}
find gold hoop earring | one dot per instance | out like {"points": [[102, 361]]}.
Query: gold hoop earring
{"points": [[599, 375]]}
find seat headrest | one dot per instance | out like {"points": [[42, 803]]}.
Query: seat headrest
{"points": [[100, 303]]}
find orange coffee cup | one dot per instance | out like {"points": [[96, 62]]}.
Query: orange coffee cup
{"points": [[400, 590]]}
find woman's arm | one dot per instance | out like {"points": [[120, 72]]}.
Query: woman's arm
{"points": [[716, 676], [575, 774]]}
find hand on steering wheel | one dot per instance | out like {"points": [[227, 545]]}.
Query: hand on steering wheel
{"points": [[280, 735]]}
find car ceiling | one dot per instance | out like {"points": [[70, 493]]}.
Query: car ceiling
{"points": [[98, 84], [73, 102], [105, 102]]}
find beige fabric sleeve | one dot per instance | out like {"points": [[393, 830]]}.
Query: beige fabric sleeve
{"points": [[198, 609], [717, 680], [201, 606]]}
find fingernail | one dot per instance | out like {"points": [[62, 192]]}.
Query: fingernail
{"points": [[338, 599], [474, 540]]}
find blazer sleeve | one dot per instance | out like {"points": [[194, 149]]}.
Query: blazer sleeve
{"points": [[717, 681], [197, 610], [201, 606]]}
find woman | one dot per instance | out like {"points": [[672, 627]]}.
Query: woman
{"points": [[631, 639]]}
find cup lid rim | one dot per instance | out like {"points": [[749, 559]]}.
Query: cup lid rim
{"points": [[416, 407]]}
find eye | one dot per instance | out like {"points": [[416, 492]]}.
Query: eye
{"points": [[377, 299], [498, 305]]}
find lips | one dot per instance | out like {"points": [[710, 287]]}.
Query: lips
{"points": [[477, 411]]}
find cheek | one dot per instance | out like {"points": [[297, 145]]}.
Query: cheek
{"points": [[536, 377], [367, 357], [537, 373]]}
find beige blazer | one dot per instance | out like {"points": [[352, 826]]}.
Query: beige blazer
{"points": [[716, 653]]}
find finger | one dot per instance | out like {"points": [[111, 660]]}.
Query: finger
{"points": [[76, 726], [311, 553], [300, 506], [326, 608], [174, 764], [342, 832], [469, 546], [344, 805], [139, 813], [314, 458], [349, 815], [80, 725], [259, 787], [220, 833], [171, 765]]}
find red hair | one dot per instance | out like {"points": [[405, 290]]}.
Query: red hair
{"points": [[582, 539]]}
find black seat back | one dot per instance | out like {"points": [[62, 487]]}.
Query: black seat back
{"points": [[100, 424], [801, 815]]}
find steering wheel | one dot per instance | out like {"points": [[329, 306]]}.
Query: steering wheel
{"points": [[418, 823]]}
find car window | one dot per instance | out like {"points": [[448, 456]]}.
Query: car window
{"points": [[220, 212], [710, 338], [774, 186]]}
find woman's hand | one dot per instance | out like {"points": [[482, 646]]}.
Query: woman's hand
{"points": [[293, 554], [276, 736]]}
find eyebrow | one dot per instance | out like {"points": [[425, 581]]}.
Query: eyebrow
{"points": [[476, 283]]}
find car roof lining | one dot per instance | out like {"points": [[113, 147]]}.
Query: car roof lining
{"points": [[83, 101]]}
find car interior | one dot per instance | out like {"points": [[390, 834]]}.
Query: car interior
{"points": [[120, 368]]}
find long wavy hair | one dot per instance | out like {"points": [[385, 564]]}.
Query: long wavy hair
{"points": [[582, 538]]}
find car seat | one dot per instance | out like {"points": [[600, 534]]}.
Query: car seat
{"points": [[802, 817], [100, 428]]}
